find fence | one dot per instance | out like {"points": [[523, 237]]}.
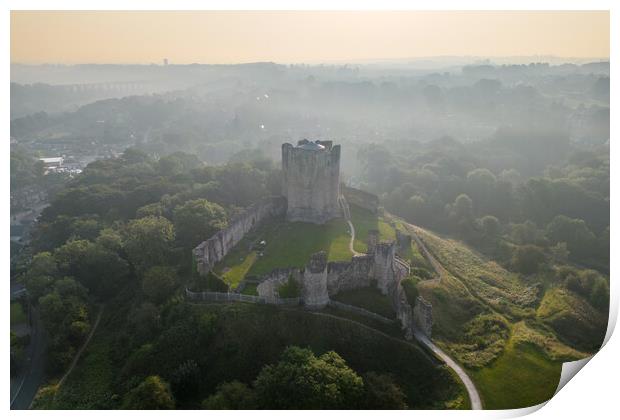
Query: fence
{"points": [[360, 311], [402, 264], [238, 297]]}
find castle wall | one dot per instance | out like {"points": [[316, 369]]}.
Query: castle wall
{"points": [[214, 249], [384, 266], [361, 198], [311, 182], [343, 276], [314, 282], [423, 316], [269, 285], [320, 280]]}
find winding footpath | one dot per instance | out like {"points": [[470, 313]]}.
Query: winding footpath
{"points": [[472, 391], [84, 345], [474, 396], [347, 216]]}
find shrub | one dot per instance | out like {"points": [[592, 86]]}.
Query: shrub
{"points": [[527, 259], [152, 394]]}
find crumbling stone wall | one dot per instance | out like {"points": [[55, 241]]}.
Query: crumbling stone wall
{"points": [[311, 181], [319, 280], [423, 316], [356, 274], [361, 198], [314, 281], [214, 249]]}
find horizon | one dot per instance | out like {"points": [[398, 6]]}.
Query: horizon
{"points": [[290, 37]]}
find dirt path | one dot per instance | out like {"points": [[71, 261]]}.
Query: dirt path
{"points": [[474, 396], [472, 391], [347, 216], [79, 353]]}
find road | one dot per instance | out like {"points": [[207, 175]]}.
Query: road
{"points": [[472, 391], [474, 397], [32, 375]]}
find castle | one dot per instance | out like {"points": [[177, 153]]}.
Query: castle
{"points": [[312, 193], [311, 181]]}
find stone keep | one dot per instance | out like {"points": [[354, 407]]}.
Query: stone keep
{"points": [[311, 184]]}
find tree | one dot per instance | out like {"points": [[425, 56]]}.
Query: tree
{"points": [[525, 233], [110, 239], [579, 240], [599, 296], [381, 393], [300, 380], [152, 394], [148, 241], [490, 226], [40, 275], [144, 320], [559, 252], [197, 220], [99, 269], [528, 258], [185, 378], [233, 395], [153, 209], [481, 187], [159, 282]]}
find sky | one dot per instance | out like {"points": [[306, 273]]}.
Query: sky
{"points": [[71, 37]]}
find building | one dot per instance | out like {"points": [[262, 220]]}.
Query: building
{"points": [[311, 181], [52, 162]]}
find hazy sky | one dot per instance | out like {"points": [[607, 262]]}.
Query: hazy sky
{"points": [[233, 37]]}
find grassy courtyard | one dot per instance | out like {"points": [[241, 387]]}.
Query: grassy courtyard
{"points": [[364, 221], [292, 244]]}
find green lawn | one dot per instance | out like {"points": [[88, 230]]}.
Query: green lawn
{"points": [[369, 298], [521, 377], [250, 289], [364, 221], [292, 244], [18, 316], [237, 272], [288, 245]]}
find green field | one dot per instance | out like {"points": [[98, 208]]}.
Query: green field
{"points": [[510, 334], [520, 377], [18, 316], [369, 298]]}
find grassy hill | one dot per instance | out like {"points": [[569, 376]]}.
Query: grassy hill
{"points": [[234, 341], [510, 332]]}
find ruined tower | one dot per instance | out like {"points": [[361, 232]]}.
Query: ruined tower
{"points": [[311, 172]]}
